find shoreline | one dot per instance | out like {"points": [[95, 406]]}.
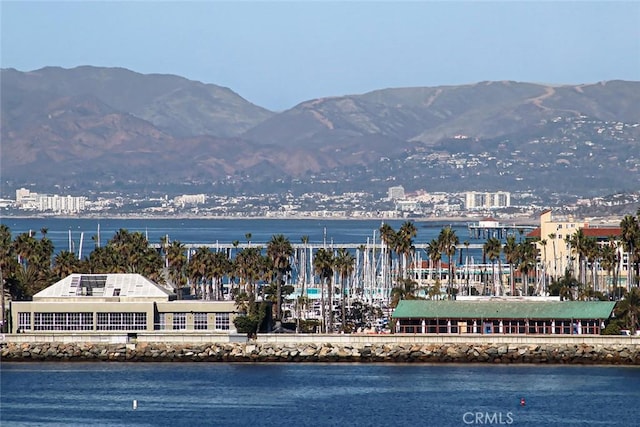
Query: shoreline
{"points": [[521, 220], [253, 352]]}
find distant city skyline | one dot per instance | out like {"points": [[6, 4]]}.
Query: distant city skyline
{"points": [[278, 54]]}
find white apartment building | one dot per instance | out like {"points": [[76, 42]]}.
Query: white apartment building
{"points": [[189, 199], [396, 192], [485, 200], [27, 200]]}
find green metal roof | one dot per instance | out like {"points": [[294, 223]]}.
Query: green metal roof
{"points": [[407, 309]]}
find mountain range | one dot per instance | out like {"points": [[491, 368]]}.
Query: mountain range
{"points": [[104, 129]]}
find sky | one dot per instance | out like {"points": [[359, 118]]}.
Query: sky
{"points": [[278, 54]]}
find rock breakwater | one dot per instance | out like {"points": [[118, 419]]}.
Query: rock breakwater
{"points": [[331, 353]]}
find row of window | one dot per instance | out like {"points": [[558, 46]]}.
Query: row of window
{"points": [[441, 326], [200, 321], [114, 321]]}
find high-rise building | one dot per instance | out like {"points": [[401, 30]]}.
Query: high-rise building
{"points": [[396, 192], [487, 200]]}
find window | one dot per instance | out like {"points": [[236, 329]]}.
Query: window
{"points": [[121, 321], [179, 321], [222, 321], [63, 321], [24, 321], [200, 321], [162, 325]]}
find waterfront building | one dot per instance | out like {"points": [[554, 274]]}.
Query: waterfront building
{"points": [[116, 302], [502, 316], [27, 200]]}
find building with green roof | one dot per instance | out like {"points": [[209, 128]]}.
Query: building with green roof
{"points": [[502, 316]]}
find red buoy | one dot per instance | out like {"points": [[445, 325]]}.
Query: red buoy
{"points": [[522, 401]]}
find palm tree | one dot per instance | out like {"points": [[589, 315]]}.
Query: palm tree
{"points": [[578, 243], [198, 268], [609, 260], [435, 256], [250, 266], [220, 267], [404, 244], [345, 264], [406, 290], [323, 264], [466, 264], [552, 237], [510, 250], [527, 258], [492, 248], [176, 264], [389, 237], [65, 264], [629, 309], [630, 236], [247, 266], [447, 241], [543, 244], [591, 254], [8, 266], [280, 250]]}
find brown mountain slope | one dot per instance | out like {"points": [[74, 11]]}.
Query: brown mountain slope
{"points": [[96, 125], [175, 105]]}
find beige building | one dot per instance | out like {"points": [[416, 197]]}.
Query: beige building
{"points": [[116, 302], [556, 254]]}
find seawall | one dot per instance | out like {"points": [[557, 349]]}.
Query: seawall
{"points": [[362, 349]]}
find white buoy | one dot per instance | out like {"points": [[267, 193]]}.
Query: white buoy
{"points": [[135, 404]]}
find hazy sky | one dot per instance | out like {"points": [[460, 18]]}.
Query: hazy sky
{"points": [[277, 54]]}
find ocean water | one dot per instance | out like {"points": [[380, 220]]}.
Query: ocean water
{"points": [[66, 232], [211, 394]]}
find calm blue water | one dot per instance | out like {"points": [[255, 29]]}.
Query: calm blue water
{"points": [[193, 394], [221, 230]]}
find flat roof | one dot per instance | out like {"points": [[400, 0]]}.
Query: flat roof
{"points": [[412, 309]]}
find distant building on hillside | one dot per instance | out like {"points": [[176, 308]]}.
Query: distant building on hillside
{"points": [[189, 199], [486, 200], [396, 192]]}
